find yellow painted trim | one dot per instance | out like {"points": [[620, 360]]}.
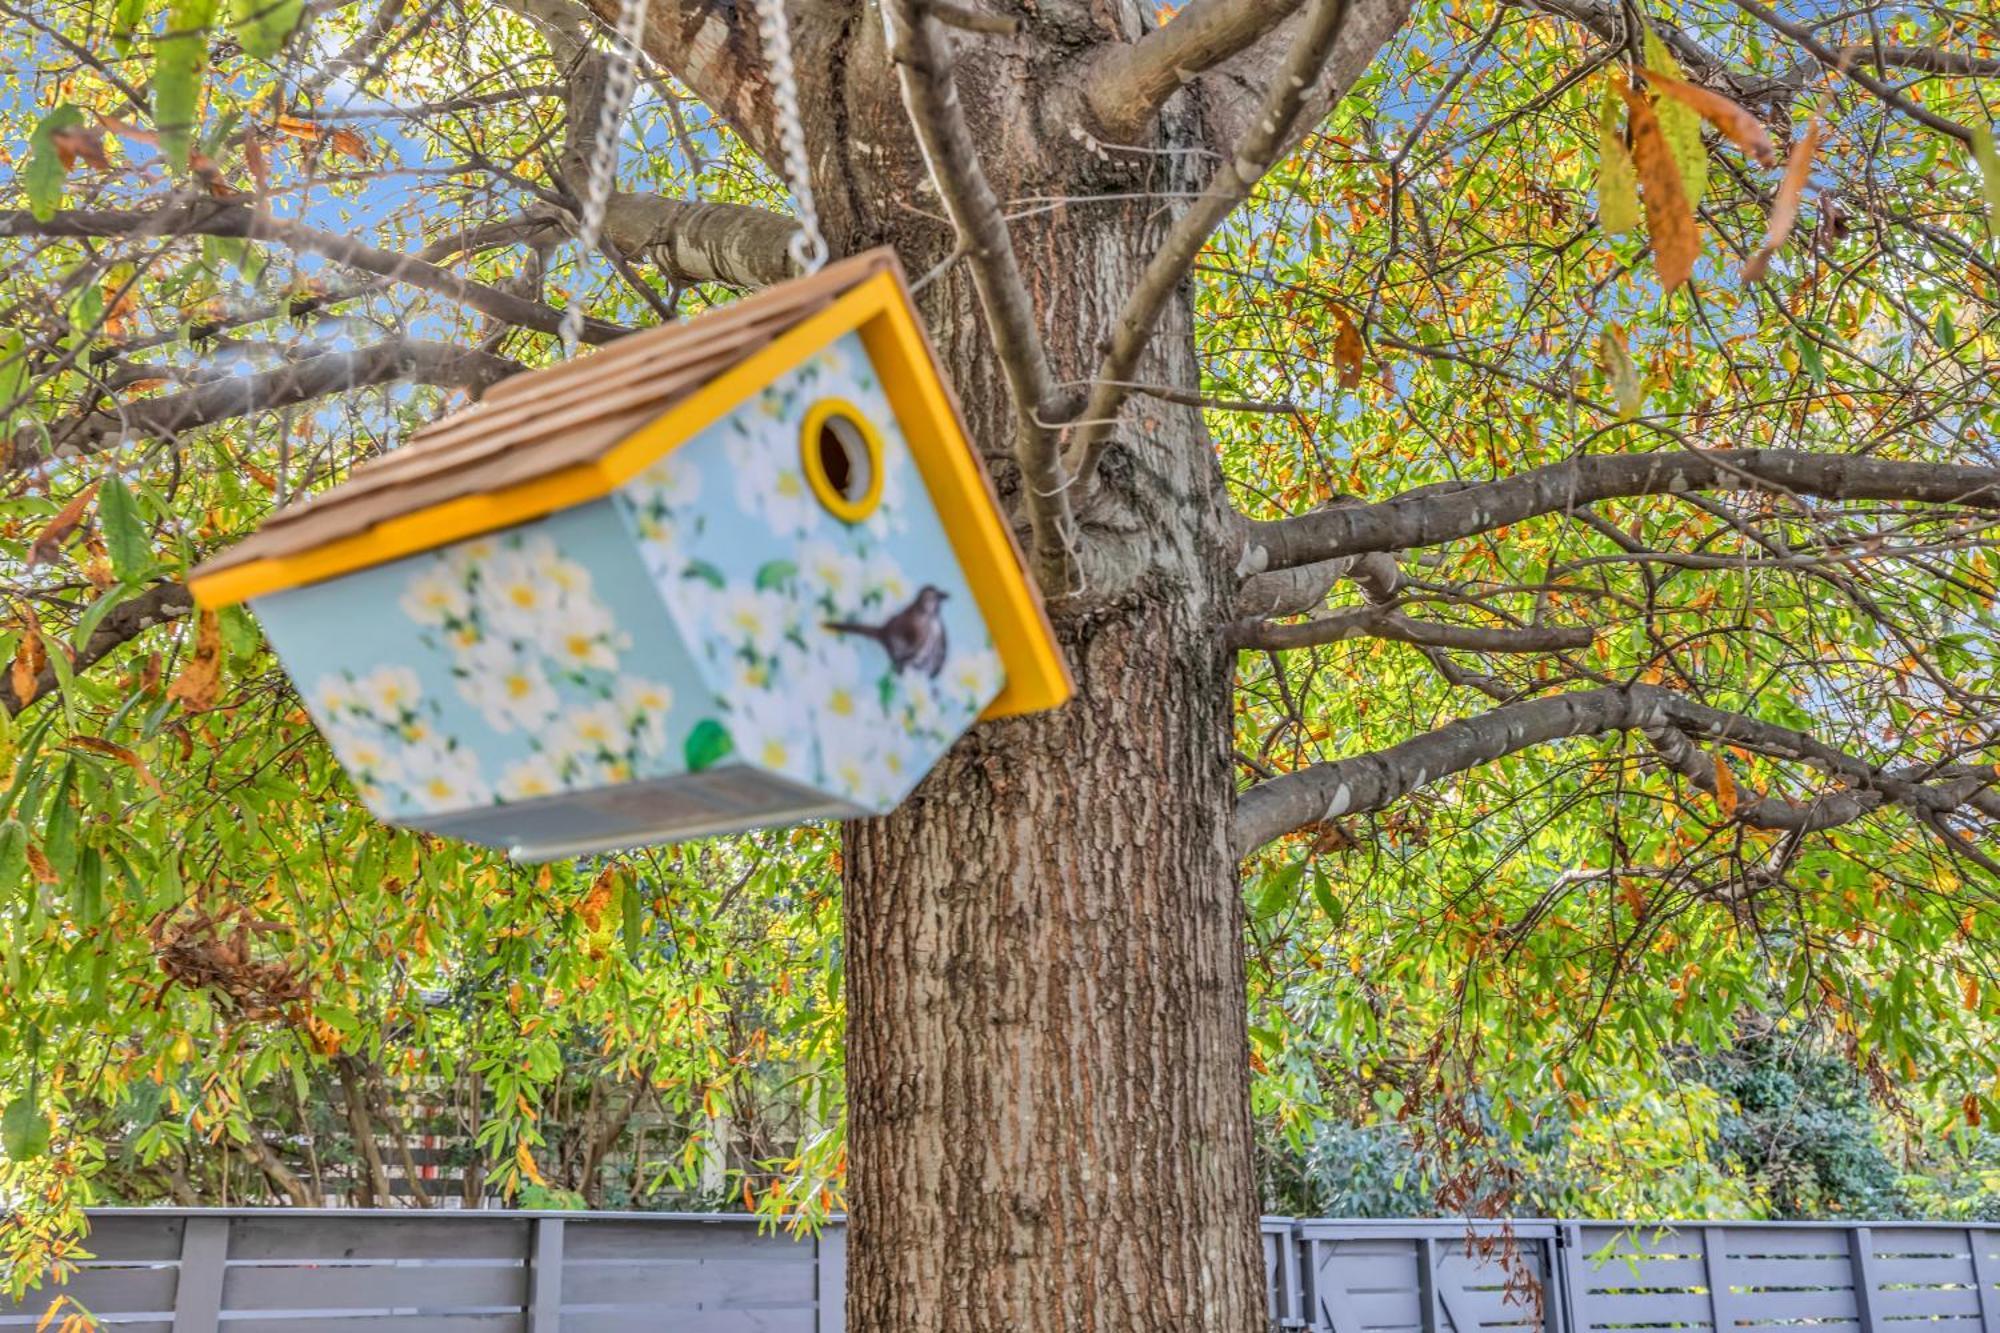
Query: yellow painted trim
{"points": [[1037, 678], [830, 495], [1036, 675]]}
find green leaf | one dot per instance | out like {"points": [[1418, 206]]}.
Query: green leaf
{"points": [[1278, 890], [707, 745], [239, 631], [44, 177], [125, 537], [1988, 158], [180, 63], [775, 574], [24, 1129], [1617, 175], [125, 20], [1680, 125], [263, 26], [13, 378], [628, 906], [13, 853]]}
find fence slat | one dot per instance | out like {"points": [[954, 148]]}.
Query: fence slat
{"points": [[832, 1275], [1861, 1252], [545, 1275], [1983, 1241], [198, 1294], [1715, 1264]]}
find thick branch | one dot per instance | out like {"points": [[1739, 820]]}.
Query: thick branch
{"points": [[1374, 622], [733, 244], [1827, 55], [1293, 592], [1372, 781], [123, 623], [239, 395], [1126, 85], [1431, 516], [1234, 91], [221, 217], [918, 46], [1232, 183], [1927, 59]]}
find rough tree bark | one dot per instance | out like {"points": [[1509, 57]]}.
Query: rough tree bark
{"points": [[1049, 1108]]}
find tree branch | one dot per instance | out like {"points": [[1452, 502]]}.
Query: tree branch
{"points": [[1928, 59], [1126, 85], [155, 606], [237, 395], [1232, 183], [1375, 622], [223, 217], [1827, 55], [1434, 515], [1373, 781], [921, 54]]}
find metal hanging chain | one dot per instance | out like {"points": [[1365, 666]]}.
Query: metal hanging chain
{"points": [[808, 246], [621, 80]]}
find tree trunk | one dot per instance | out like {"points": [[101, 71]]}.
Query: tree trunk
{"points": [[1047, 1053]]}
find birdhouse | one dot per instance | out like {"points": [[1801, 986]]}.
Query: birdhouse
{"points": [[742, 570]]}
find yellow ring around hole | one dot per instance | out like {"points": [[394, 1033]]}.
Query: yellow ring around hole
{"points": [[837, 502]]}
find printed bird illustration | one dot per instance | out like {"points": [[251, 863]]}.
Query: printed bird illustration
{"points": [[914, 636]]}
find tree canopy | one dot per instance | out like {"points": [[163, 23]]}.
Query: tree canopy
{"points": [[1608, 393]]}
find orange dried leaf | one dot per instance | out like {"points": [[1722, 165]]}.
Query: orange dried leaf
{"points": [[48, 546], [348, 144], [111, 750], [1736, 123], [30, 656], [1669, 219], [200, 680], [1347, 351], [44, 870], [1725, 788], [1785, 208]]}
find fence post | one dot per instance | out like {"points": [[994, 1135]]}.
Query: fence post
{"points": [[1715, 1266], [1861, 1259], [545, 1274], [830, 1277], [1985, 1272], [198, 1289], [1427, 1284], [1570, 1258]]}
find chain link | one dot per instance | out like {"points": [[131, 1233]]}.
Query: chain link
{"points": [[808, 246], [621, 80]]}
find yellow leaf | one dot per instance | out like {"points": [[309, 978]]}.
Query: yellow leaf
{"points": [[1616, 358], [1680, 126], [1617, 177]]}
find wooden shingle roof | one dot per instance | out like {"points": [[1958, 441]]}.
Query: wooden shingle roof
{"points": [[542, 422]]}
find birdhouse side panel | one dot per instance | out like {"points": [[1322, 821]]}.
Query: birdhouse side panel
{"points": [[798, 550], [525, 664]]}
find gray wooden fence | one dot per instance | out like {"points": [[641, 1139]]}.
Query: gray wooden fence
{"points": [[354, 1271]]}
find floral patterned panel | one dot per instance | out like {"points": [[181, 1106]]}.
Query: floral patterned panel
{"points": [[757, 572], [529, 663]]}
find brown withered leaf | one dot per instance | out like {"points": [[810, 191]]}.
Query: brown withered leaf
{"points": [[1670, 220], [80, 143], [201, 679], [1785, 207], [48, 545], [1736, 123], [30, 656], [1725, 788], [1347, 351], [112, 750], [38, 861]]}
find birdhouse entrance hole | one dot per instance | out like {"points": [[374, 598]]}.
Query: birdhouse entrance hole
{"points": [[842, 453]]}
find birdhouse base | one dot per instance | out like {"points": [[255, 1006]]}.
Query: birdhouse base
{"points": [[721, 800]]}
